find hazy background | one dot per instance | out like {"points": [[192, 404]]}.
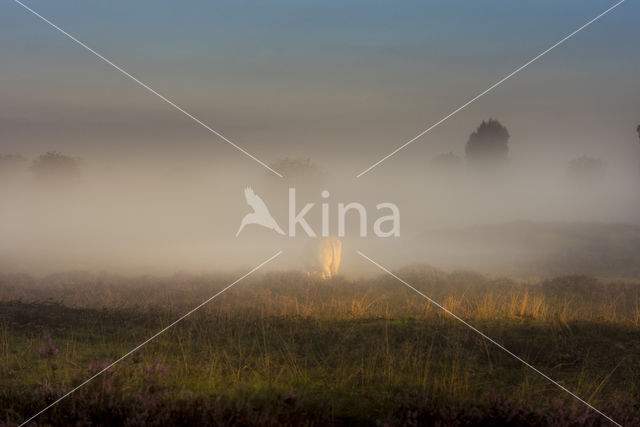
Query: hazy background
{"points": [[340, 83]]}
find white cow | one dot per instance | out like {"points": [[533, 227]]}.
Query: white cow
{"points": [[324, 257]]}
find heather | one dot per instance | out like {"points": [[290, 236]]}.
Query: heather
{"points": [[285, 348]]}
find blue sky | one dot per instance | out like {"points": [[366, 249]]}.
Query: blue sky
{"points": [[318, 79]]}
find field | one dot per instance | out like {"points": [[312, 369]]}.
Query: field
{"points": [[285, 348]]}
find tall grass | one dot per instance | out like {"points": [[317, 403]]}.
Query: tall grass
{"points": [[570, 298], [297, 349]]}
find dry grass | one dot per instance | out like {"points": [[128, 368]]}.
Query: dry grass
{"points": [[471, 296], [351, 347]]}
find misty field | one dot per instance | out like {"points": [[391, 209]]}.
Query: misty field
{"points": [[285, 348]]}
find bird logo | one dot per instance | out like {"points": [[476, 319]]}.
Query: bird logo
{"points": [[260, 214]]}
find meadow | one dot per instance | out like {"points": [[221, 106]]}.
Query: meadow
{"points": [[285, 348]]}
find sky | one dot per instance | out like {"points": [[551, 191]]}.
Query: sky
{"points": [[340, 82], [337, 81]]}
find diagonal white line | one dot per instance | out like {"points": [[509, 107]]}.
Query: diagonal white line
{"points": [[165, 99], [148, 340], [487, 338], [481, 94]]}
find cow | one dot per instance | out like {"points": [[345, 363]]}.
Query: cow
{"points": [[323, 257]]}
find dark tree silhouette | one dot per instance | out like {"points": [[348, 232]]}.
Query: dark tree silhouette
{"points": [[56, 165], [489, 143], [638, 130]]}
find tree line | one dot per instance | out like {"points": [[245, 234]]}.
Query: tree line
{"points": [[487, 146], [48, 165]]}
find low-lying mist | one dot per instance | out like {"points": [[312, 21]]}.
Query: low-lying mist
{"points": [[137, 217]]}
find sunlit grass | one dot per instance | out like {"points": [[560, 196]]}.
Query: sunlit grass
{"points": [[346, 350]]}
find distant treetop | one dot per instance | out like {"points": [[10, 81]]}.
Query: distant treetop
{"points": [[489, 142], [54, 163], [294, 166], [446, 162]]}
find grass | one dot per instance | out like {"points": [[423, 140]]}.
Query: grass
{"points": [[284, 348]]}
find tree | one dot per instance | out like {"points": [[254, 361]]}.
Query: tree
{"points": [[294, 166], [298, 172], [638, 130], [56, 165], [489, 143]]}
